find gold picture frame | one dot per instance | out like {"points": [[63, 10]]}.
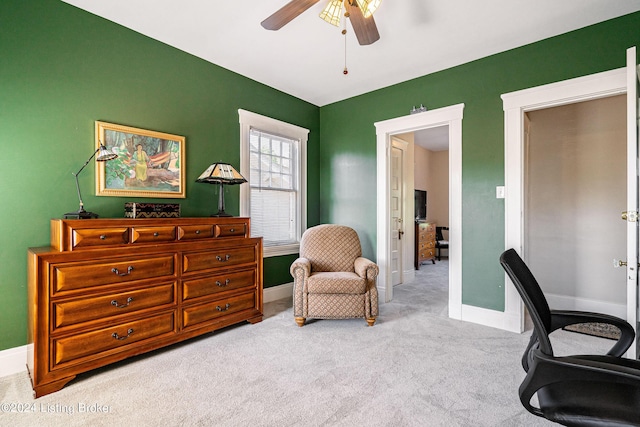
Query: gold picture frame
{"points": [[149, 163]]}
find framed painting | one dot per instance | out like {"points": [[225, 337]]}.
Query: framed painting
{"points": [[149, 163]]}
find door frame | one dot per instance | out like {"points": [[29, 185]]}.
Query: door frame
{"points": [[515, 105], [447, 116]]}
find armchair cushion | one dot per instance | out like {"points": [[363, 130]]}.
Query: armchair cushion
{"points": [[336, 282]]}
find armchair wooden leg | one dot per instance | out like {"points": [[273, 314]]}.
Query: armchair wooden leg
{"points": [[371, 321], [300, 321]]}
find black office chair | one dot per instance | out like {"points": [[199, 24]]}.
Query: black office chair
{"points": [[441, 243], [587, 390]]}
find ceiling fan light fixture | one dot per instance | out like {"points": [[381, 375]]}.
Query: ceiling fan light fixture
{"points": [[368, 7], [332, 13]]}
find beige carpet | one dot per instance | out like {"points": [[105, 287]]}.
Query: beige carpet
{"points": [[415, 367]]}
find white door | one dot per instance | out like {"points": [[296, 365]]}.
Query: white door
{"points": [[631, 214], [397, 202]]}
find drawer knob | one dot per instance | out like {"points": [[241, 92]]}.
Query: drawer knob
{"points": [[124, 337], [156, 234], [226, 258], [226, 282], [226, 307], [129, 270], [232, 230], [117, 305], [103, 237], [197, 231]]}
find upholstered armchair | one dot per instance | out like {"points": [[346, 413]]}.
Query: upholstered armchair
{"points": [[331, 278]]}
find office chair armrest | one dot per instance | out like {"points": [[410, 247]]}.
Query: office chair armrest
{"points": [[562, 318], [366, 268], [547, 370]]}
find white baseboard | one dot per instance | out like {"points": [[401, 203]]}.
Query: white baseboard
{"points": [[511, 322], [275, 293], [492, 318], [563, 302], [13, 360]]}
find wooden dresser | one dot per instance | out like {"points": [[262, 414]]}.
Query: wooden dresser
{"points": [[108, 289], [425, 239]]}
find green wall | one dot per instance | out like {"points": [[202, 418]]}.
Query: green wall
{"points": [[349, 142], [61, 69]]}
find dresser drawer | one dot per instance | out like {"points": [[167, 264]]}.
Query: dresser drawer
{"points": [[153, 234], [428, 253], [213, 284], [71, 276], [190, 232], [198, 261], [203, 312], [91, 344], [88, 237], [228, 230], [428, 244], [106, 306]]}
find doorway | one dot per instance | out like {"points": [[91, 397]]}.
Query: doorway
{"points": [[574, 184], [448, 116], [516, 104], [430, 161]]}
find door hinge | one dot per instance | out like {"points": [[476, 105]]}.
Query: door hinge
{"points": [[630, 216]]}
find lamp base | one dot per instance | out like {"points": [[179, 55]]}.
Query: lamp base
{"points": [[80, 215], [221, 214]]}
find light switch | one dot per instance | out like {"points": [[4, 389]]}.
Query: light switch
{"points": [[500, 192]]}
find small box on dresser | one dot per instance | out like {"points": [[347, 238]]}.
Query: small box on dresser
{"points": [[151, 210], [109, 289]]}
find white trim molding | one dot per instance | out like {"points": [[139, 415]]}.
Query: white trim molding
{"points": [[274, 293], [447, 116], [515, 105], [249, 120], [563, 302], [13, 360]]}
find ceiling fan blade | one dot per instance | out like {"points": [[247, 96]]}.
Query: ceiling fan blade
{"points": [[286, 13], [365, 28]]}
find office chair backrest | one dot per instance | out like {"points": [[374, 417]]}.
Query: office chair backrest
{"points": [[531, 294]]}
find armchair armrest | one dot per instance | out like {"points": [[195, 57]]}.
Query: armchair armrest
{"points": [[300, 265], [366, 268], [562, 318]]}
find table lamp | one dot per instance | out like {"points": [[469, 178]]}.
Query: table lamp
{"points": [[223, 174]]}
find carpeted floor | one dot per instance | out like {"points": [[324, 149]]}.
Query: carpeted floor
{"points": [[415, 367]]}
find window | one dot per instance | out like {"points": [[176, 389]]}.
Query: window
{"points": [[273, 160]]}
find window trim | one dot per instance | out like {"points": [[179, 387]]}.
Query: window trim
{"points": [[249, 120]]}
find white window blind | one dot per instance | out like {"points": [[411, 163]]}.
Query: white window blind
{"points": [[274, 187]]}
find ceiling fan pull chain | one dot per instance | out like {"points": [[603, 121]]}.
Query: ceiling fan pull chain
{"points": [[344, 33]]}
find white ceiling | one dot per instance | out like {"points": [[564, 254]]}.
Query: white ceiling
{"points": [[306, 57], [434, 139]]}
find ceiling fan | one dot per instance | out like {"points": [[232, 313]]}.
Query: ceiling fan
{"points": [[359, 12]]}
